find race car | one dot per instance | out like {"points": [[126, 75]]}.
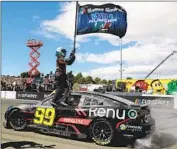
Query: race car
{"points": [[101, 117]]}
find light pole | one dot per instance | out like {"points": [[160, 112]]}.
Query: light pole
{"points": [[121, 72], [121, 69], [161, 63]]}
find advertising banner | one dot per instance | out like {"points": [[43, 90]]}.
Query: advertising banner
{"points": [[30, 95], [154, 101]]}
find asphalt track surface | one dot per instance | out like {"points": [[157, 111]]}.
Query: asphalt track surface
{"points": [[164, 137]]}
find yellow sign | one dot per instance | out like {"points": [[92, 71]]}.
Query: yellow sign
{"points": [[150, 86], [44, 116]]}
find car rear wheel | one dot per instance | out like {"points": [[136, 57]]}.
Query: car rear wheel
{"points": [[101, 132], [17, 121]]}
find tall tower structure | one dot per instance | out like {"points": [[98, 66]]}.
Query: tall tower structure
{"points": [[34, 45]]}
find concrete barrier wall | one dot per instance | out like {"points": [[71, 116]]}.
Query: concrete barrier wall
{"points": [[8, 94], [154, 101], [175, 101]]}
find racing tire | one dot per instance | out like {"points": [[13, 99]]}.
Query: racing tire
{"points": [[17, 121], [101, 132]]}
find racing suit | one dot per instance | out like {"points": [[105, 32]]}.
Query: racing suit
{"points": [[61, 76]]}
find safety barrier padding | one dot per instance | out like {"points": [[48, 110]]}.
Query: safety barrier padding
{"points": [[154, 101]]}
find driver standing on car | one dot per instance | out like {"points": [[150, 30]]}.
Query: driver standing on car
{"points": [[60, 74]]}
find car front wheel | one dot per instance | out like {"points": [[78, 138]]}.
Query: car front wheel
{"points": [[17, 121], [101, 132]]}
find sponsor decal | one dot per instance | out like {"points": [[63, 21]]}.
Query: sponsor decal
{"points": [[121, 122], [101, 142], [123, 127], [64, 134], [80, 121], [30, 95], [130, 127], [153, 102], [27, 95], [58, 132], [132, 114], [83, 89], [113, 113], [128, 135]]}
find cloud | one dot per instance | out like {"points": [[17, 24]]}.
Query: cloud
{"points": [[35, 17], [138, 54], [138, 71], [138, 61]]}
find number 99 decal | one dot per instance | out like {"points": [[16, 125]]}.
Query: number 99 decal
{"points": [[44, 116]]}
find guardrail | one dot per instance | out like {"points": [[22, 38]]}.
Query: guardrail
{"points": [[154, 101]]}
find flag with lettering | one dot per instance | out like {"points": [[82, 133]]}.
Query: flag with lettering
{"points": [[107, 18]]}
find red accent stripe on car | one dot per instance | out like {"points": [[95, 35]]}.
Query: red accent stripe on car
{"points": [[83, 112], [121, 122], [80, 112], [80, 121], [27, 112], [30, 119]]}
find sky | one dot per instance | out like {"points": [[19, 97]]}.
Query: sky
{"points": [[151, 36]]}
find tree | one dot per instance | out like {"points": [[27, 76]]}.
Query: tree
{"points": [[24, 74], [97, 80], [109, 82], [89, 80], [81, 80], [104, 81], [128, 78], [76, 87], [77, 77]]}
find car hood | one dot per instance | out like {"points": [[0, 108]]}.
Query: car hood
{"points": [[24, 107]]}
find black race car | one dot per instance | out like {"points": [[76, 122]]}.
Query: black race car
{"points": [[102, 117]]}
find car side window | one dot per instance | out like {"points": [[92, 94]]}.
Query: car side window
{"points": [[96, 102], [92, 101], [87, 101], [73, 100], [112, 103]]}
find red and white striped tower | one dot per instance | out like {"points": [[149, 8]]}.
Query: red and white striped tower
{"points": [[34, 45]]}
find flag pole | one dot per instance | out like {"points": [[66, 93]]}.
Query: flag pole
{"points": [[121, 59], [75, 30]]}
